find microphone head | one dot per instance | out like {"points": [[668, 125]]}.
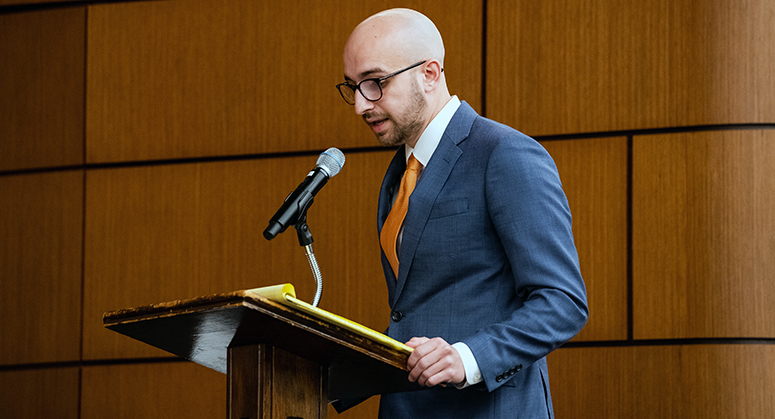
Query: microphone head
{"points": [[331, 161]]}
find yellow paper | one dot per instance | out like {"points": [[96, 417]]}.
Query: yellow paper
{"points": [[285, 294]]}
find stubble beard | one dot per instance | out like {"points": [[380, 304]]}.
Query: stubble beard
{"points": [[406, 125]]}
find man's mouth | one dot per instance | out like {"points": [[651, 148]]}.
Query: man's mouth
{"points": [[377, 124]]}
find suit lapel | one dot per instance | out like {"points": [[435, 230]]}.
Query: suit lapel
{"points": [[433, 178], [389, 188]]}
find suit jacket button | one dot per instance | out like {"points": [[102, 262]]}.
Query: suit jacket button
{"points": [[499, 378], [519, 367], [396, 316]]}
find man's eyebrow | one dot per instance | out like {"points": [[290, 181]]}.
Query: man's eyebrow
{"points": [[364, 75]]}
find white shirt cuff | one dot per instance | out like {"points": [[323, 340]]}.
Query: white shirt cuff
{"points": [[473, 375]]}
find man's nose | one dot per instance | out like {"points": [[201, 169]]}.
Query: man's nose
{"points": [[362, 105]]}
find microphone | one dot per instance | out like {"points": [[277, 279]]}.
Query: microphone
{"points": [[296, 204]]}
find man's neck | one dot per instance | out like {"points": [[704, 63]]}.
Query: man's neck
{"points": [[438, 106], [426, 145]]}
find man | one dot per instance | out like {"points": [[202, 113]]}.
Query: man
{"points": [[482, 272]]}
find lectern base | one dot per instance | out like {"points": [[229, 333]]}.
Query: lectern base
{"points": [[268, 383]]}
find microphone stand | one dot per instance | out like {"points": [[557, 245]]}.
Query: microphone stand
{"points": [[305, 240]]}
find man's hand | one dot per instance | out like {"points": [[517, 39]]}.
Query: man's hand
{"points": [[433, 362]]}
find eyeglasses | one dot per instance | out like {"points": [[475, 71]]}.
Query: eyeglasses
{"points": [[371, 89]]}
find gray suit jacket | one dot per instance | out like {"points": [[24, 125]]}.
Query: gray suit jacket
{"points": [[488, 259]]}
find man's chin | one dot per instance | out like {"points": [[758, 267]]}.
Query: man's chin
{"points": [[388, 141]]}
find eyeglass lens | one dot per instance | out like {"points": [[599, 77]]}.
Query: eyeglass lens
{"points": [[370, 90]]}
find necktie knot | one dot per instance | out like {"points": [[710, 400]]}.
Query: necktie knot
{"points": [[413, 165], [413, 168]]}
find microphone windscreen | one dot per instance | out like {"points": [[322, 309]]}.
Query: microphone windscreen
{"points": [[331, 161]]}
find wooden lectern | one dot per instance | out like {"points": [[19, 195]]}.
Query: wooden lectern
{"points": [[281, 363]]}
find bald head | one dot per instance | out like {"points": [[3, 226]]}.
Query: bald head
{"points": [[404, 48], [401, 34]]}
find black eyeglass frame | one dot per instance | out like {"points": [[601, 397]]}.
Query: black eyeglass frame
{"points": [[377, 80]]}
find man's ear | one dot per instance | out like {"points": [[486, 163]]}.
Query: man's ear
{"points": [[432, 72]]}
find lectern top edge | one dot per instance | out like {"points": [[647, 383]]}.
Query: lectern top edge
{"points": [[215, 322]]}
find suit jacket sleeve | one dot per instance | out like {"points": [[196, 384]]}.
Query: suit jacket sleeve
{"points": [[531, 217]]}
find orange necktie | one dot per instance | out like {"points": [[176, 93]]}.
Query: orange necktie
{"points": [[389, 237]]}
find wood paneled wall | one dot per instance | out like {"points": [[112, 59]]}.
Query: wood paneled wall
{"points": [[42, 85], [704, 214], [152, 390], [40, 264], [671, 381], [144, 146], [232, 77], [599, 65], [40, 393]]}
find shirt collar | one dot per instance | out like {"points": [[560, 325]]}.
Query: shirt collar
{"points": [[429, 140]]}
